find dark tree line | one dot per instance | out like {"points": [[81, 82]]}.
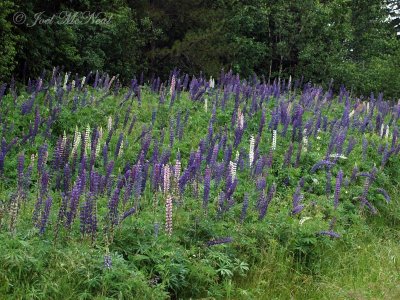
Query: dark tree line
{"points": [[352, 41]]}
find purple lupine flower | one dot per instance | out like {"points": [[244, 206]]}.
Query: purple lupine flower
{"points": [[386, 155], [132, 124], [67, 178], [61, 212], [42, 158], [324, 123], [210, 132], [228, 155], [171, 133], [219, 171], [329, 233], [298, 155], [2, 156], [230, 190], [219, 241], [107, 261], [350, 146], [220, 204], [74, 202], [119, 143], [113, 207], [156, 178], [320, 164], [288, 156], [297, 198], [297, 209], [45, 215], [156, 229], [264, 205], [367, 183], [127, 113], [2, 90], [44, 186], [364, 147], [338, 186], [109, 170], [244, 207], [137, 186], [207, 181], [261, 183], [36, 123], [127, 213], [354, 173], [86, 215], [364, 174], [20, 170], [384, 193], [238, 136], [214, 155], [183, 180], [262, 122], [259, 166]]}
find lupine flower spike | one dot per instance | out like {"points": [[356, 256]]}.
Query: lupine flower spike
{"points": [[251, 151], [168, 215]]}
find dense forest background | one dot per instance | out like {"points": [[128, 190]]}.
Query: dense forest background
{"points": [[355, 42]]}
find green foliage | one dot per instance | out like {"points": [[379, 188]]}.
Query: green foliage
{"points": [[8, 41], [353, 43]]}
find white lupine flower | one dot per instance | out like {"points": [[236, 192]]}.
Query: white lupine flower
{"points": [[177, 171], [251, 151], [305, 140], [303, 220], [72, 84], [273, 147], [289, 108], [32, 160], [100, 133], [77, 142], [109, 123], [382, 127], [111, 82], [63, 142], [387, 132], [232, 170], [205, 104], [166, 178], [83, 81], [240, 119], [237, 156], [77, 133], [98, 147], [168, 215], [173, 84], [212, 82], [87, 139], [351, 113], [367, 107], [121, 149], [65, 81], [337, 155]]}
